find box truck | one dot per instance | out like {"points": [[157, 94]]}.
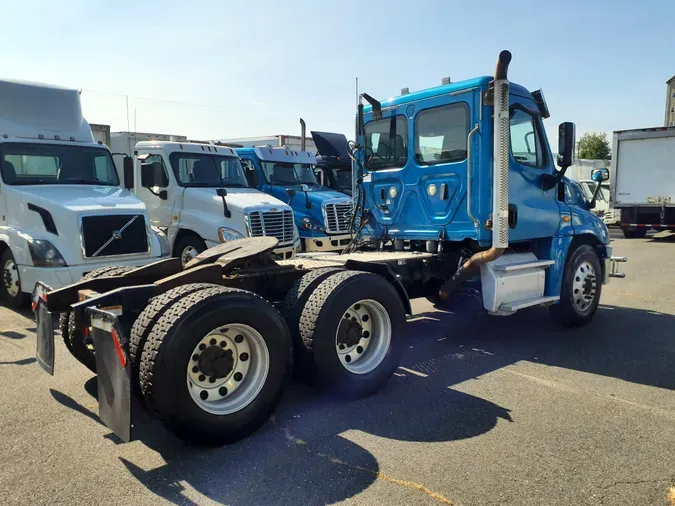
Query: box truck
{"points": [[643, 179]]}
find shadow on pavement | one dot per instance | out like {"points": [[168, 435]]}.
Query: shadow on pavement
{"points": [[304, 455]]}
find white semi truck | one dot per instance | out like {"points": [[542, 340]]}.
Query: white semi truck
{"points": [[643, 179], [197, 193], [63, 213]]}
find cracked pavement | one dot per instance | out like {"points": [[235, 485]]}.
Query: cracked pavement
{"points": [[485, 411]]}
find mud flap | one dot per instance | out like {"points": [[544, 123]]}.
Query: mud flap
{"points": [[44, 328], [113, 369]]}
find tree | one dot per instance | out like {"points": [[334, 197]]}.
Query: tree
{"points": [[594, 146]]}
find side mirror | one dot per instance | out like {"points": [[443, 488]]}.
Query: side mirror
{"points": [[152, 174], [221, 192], [599, 175], [128, 172], [566, 143], [304, 188], [290, 192]]}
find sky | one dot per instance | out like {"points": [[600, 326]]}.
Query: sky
{"points": [[231, 68]]}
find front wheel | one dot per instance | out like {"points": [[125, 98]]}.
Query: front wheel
{"points": [[12, 292], [215, 364], [353, 325], [581, 289], [188, 248]]}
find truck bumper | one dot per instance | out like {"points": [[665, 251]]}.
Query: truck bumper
{"points": [[611, 267], [326, 243], [58, 277]]}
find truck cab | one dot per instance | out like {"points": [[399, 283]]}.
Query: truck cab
{"points": [[466, 167], [63, 212], [333, 166], [198, 194], [323, 216]]}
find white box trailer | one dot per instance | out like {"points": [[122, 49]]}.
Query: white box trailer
{"points": [[101, 133], [643, 179], [276, 141]]}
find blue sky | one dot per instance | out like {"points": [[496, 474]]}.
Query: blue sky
{"points": [[233, 68]]}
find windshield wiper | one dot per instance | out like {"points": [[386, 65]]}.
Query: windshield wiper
{"points": [[84, 181]]}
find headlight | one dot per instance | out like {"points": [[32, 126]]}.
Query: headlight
{"points": [[227, 234], [310, 224], [44, 254], [163, 242]]}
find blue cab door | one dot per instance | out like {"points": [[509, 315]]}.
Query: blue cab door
{"points": [[537, 211], [419, 166]]}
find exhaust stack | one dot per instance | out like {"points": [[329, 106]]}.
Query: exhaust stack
{"points": [[500, 182], [303, 131]]}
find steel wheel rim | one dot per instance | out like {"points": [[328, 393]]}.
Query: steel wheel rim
{"points": [[367, 353], [584, 287], [188, 254], [10, 278], [240, 385]]}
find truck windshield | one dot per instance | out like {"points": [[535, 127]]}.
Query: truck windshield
{"points": [[387, 142], [288, 173], [37, 164], [208, 170]]}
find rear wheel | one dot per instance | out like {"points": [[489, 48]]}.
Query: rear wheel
{"points": [[293, 305], [12, 291], [353, 326], [581, 289], [635, 233], [156, 307], [77, 339], [215, 364]]}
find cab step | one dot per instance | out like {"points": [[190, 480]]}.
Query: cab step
{"points": [[512, 307]]}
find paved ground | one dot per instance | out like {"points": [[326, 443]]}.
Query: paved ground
{"points": [[487, 411]]}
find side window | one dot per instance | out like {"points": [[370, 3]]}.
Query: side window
{"points": [[251, 174], [157, 159], [440, 134], [525, 142], [388, 140]]}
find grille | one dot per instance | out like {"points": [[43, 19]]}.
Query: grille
{"points": [[98, 230], [338, 216], [277, 224]]}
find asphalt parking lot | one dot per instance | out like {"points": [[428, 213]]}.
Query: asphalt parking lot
{"points": [[484, 411]]}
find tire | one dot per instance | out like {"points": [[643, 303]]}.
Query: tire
{"points": [[292, 307], [174, 343], [188, 247], [74, 338], [568, 313], [325, 314], [156, 307], [635, 233], [11, 291]]}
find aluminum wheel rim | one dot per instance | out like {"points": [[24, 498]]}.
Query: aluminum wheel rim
{"points": [[10, 275], [236, 388], [188, 254], [584, 287], [362, 354]]}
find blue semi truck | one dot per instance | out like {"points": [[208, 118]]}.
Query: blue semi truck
{"points": [[323, 216], [452, 184]]}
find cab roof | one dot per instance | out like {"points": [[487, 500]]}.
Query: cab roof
{"points": [[188, 147], [442, 90]]}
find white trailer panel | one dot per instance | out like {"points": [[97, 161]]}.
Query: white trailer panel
{"points": [[643, 167]]}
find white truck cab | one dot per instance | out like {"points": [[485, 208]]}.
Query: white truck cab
{"points": [[198, 194], [63, 212]]}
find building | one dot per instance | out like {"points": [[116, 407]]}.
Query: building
{"points": [[277, 141], [670, 102]]}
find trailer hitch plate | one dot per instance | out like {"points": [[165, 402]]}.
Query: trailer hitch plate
{"points": [[113, 369], [44, 328]]}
